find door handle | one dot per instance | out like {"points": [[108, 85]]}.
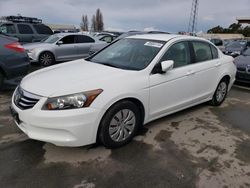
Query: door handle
{"points": [[217, 64], [190, 72]]}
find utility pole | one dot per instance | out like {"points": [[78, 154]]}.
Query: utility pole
{"points": [[193, 17]]}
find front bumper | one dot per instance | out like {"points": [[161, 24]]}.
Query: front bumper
{"points": [[32, 56], [63, 128]]}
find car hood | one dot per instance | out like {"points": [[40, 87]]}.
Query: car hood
{"points": [[242, 60], [35, 45], [72, 77]]}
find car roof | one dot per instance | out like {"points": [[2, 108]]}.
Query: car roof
{"points": [[66, 34], [10, 22], [164, 37]]}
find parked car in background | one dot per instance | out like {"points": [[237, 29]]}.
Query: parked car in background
{"points": [[235, 48], [107, 38], [95, 49], [26, 29], [131, 33], [61, 47], [14, 61], [110, 95], [242, 63], [219, 43], [104, 34]]}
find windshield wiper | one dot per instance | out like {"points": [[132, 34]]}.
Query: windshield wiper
{"points": [[110, 65]]}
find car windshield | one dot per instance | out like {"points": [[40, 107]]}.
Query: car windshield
{"points": [[236, 44], [246, 52], [51, 39], [129, 54]]}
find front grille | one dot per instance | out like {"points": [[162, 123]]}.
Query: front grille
{"points": [[25, 100]]}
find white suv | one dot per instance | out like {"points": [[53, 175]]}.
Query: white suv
{"points": [[108, 96]]}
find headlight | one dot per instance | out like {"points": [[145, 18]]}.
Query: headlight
{"points": [[78, 100]]}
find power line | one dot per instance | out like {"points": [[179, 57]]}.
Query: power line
{"points": [[192, 26]]}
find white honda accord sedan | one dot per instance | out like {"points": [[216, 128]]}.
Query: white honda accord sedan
{"points": [[110, 95]]}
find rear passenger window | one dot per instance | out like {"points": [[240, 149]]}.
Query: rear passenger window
{"points": [[24, 29], [214, 52], [84, 39], [179, 53], [202, 51], [70, 39], [43, 29], [8, 29]]}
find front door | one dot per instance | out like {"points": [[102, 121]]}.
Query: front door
{"points": [[173, 90], [66, 48]]}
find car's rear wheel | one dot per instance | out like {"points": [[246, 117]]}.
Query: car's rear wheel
{"points": [[220, 93], [119, 125], [46, 59]]}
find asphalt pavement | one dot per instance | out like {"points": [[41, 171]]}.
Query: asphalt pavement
{"points": [[199, 147]]}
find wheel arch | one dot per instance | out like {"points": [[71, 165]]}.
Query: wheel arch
{"points": [[227, 78], [43, 51], [134, 100]]}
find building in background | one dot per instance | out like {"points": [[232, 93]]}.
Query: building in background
{"points": [[243, 20], [63, 28], [223, 36]]}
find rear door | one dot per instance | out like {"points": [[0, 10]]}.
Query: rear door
{"points": [[84, 44], [206, 69], [42, 31], [26, 33], [67, 50]]}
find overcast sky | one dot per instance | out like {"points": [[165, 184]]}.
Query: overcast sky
{"points": [[167, 15]]}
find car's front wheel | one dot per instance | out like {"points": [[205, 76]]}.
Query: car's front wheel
{"points": [[119, 125], [220, 93], [46, 59]]}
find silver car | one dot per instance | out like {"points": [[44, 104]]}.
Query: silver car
{"points": [[61, 47]]}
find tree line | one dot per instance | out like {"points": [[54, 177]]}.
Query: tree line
{"points": [[233, 28], [97, 24]]}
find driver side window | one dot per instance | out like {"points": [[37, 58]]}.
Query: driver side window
{"points": [[179, 53]]}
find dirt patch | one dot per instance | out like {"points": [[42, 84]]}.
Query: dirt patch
{"points": [[54, 154], [243, 151], [163, 136], [216, 148], [175, 124]]}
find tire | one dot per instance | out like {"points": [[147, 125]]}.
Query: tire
{"points": [[119, 124], [1, 79], [46, 59], [220, 93]]}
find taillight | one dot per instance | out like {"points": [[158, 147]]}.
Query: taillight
{"points": [[15, 46]]}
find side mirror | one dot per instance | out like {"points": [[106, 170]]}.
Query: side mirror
{"points": [[163, 67], [59, 42], [167, 65]]}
